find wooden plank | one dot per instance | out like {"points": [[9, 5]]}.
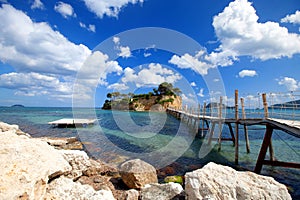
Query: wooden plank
{"points": [[281, 164], [231, 133], [263, 149]]}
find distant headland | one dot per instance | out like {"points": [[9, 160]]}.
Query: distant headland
{"points": [[157, 100]]}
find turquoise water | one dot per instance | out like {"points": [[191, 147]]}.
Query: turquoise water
{"points": [[160, 139]]}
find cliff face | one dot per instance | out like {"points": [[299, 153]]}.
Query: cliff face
{"points": [[153, 103], [156, 103]]}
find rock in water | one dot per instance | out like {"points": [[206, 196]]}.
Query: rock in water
{"points": [[64, 188], [137, 173], [26, 165], [220, 182], [161, 191]]}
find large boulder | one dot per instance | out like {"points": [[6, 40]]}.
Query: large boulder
{"points": [[161, 191], [137, 173], [65, 188], [27, 165], [220, 182]]}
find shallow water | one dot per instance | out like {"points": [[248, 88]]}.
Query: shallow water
{"points": [[159, 139]]}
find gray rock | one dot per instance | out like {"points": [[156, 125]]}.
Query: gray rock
{"points": [[137, 173], [65, 188], [220, 182], [157, 191], [26, 165]]}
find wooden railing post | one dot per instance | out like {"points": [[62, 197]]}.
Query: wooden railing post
{"points": [[265, 103], [236, 101], [220, 124], [266, 114], [245, 126]]}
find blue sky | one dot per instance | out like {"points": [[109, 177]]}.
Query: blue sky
{"points": [[52, 52]]}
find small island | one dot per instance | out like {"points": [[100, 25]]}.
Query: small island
{"points": [[157, 100], [18, 106]]}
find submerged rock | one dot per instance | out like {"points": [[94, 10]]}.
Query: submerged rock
{"points": [[161, 191], [220, 182], [137, 173]]}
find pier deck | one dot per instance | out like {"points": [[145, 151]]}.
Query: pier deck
{"points": [[70, 122], [289, 126]]}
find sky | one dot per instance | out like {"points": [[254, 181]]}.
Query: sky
{"points": [[64, 53]]}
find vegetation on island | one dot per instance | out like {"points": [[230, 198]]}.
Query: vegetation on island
{"points": [[164, 93]]}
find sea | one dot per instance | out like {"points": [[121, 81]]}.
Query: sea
{"points": [[167, 143]]}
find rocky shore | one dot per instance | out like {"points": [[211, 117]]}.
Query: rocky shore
{"points": [[54, 168]]}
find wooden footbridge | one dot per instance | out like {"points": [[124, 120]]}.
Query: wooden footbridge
{"points": [[208, 122]]}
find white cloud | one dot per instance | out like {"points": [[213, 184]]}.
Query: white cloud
{"points": [[155, 74], [37, 48], [97, 67], [124, 51], [34, 84], [66, 10], [216, 80], [195, 63], [240, 34], [116, 40], [37, 4], [89, 27], [147, 54], [193, 84], [294, 18], [290, 83], [200, 94], [92, 28], [108, 7], [247, 72], [118, 86]]}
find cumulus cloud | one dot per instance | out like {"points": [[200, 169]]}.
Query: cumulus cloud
{"points": [[90, 27], [154, 74], [66, 10], [37, 48], [34, 84], [37, 4], [247, 72], [196, 63], [290, 83], [108, 7], [294, 18], [97, 67], [240, 34]]}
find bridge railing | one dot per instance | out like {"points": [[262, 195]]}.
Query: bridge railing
{"points": [[282, 105]]}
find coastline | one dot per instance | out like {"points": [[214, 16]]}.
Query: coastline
{"points": [[46, 168]]}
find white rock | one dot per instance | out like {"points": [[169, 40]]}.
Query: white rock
{"points": [[161, 191], [8, 127], [131, 194], [220, 182], [26, 165], [65, 188], [79, 161]]}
